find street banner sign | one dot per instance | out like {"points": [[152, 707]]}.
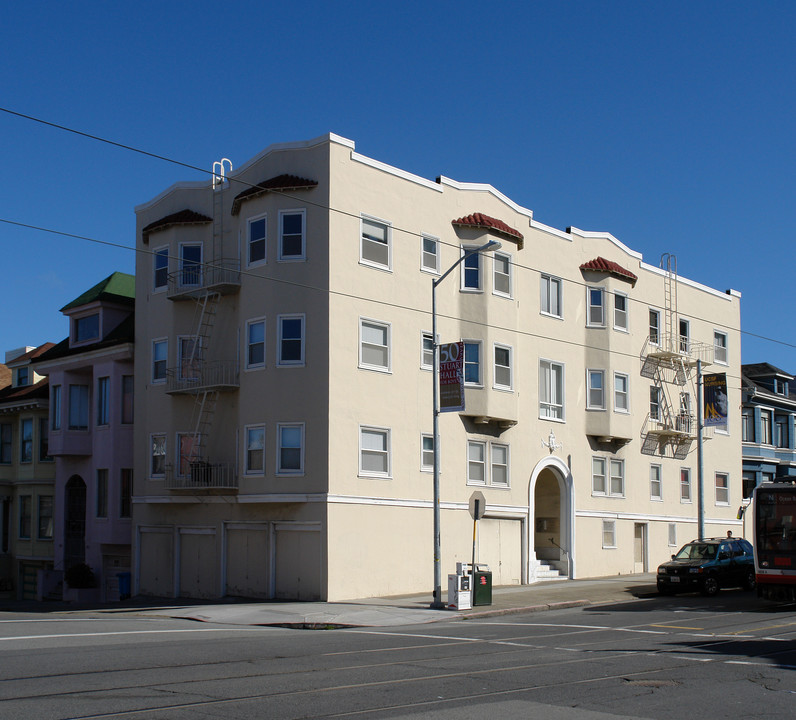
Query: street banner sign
{"points": [[451, 377], [714, 394]]}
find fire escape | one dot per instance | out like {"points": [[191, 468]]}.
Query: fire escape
{"points": [[204, 371], [669, 358]]}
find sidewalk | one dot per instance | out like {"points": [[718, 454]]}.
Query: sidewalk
{"points": [[368, 612], [414, 609]]}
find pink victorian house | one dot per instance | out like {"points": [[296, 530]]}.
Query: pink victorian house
{"points": [[91, 439]]}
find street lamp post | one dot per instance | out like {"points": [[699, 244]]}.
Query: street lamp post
{"points": [[437, 603]]}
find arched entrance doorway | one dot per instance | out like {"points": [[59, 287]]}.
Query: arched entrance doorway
{"points": [[75, 522], [551, 524]]}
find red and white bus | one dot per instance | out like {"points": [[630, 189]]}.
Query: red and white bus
{"points": [[775, 539]]}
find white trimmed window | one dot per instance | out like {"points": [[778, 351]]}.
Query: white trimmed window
{"points": [[620, 312], [685, 336], [157, 467], [685, 485], [655, 403], [255, 343], [78, 407], [596, 390], [501, 275], [472, 362], [551, 390], [621, 393], [499, 468], [290, 450], [596, 309], [502, 376], [609, 534], [598, 479], [160, 268], [374, 345], [476, 462], [722, 489], [656, 487], [376, 243], [471, 275], [429, 248], [26, 440], [374, 452], [427, 351], [427, 453], [617, 478], [720, 354], [255, 449], [103, 401], [190, 264], [655, 327], [160, 351], [292, 235], [290, 340], [256, 233], [550, 301]]}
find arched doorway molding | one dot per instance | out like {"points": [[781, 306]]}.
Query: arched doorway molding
{"points": [[566, 486]]}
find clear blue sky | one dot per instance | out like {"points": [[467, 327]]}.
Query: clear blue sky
{"points": [[668, 124]]}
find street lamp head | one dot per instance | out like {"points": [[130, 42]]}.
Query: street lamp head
{"points": [[491, 245]]}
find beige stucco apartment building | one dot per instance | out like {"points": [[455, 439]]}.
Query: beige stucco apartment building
{"points": [[284, 419]]}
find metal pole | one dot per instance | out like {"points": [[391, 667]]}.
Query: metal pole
{"points": [[700, 459], [436, 603]]}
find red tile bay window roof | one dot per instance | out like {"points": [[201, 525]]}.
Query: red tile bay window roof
{"points": [[485, 222], [183, 217], [278, 183], [600, 264]]}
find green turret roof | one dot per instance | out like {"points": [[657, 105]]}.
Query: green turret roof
{"points": [[118, 287]]}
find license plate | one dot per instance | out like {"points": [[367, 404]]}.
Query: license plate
{"points": [[674, 579]]}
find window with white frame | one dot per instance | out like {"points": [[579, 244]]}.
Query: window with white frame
{"points": [[499, 468], [596, 309], [720, 354], [471, 270], [160, 268], [256, 232], [78, 407], [656, 487], [427, 351], [617, 480], [375, 247], [6, 443], [609, 534], [290, 437], [722, 489], [472, 362], [655, 403], [292, 240], [44, 441], [621, 393], [429, 260], [599, 484], [255, 449], [103, 400], [85, 329], [476, 462], [765, 427], [426, 453], [23, 377], [685, 485], [160, 351], [550, 301], [374, 452], [290, 340], [655, 327], [781, 435], [501, 275], [55, 408], [685, 336], [157, 467], [620, 311], [190, 265], [45, 513], [502, 370], [190, 357], [374, 345], [673, 535], [26, 440], [595, 390], [748, 425], [255, 343], [551, 390]]}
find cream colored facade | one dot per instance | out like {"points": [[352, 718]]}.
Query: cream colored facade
{"points": [[335, 502]]}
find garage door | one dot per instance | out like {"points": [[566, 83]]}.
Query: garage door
{"points": [[247, 562], [500, 547], [298, 563]]}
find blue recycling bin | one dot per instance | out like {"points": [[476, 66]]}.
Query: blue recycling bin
{"points": [[124, 585]]}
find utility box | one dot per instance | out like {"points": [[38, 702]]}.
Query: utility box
{"points": [[482, 586], [459, 592]]}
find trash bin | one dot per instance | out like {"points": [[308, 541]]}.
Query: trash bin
{"points": [[124, 585], [482, 586]]}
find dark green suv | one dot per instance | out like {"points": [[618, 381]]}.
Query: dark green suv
{"points": [[709, 565]]}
